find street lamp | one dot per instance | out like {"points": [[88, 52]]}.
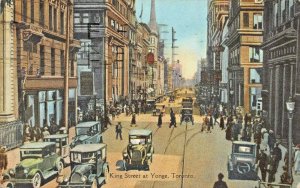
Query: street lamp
{"points": [[290, 105], [231, 100]]}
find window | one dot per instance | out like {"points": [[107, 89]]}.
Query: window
{"points": [[62, 23], [77, 19], [24, 10], [255, 76], [291, 4], [255, 55], [55, 19], [255, 94], [85, 18], [246, 19], [112, 23], [276, 14], [42, 60], [42, 17], [62, 62], [52, 61], [257, 19], [50, 18], [32, 11]]}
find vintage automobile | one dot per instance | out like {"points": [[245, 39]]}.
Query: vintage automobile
{"points": [[187, 115], [39, 161], [62, 145], [242, 161], [187, 111], [150, 104], [139, 151], [87, 133], [89, 167]]}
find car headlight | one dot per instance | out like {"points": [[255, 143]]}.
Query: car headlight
{"points": [[11, 172], [125, 154], [83, 178], [66, 179], [26, 171]]}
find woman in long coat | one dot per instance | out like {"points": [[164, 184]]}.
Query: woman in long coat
{"points": [[297, 159], [222, 124], [229, 131]]}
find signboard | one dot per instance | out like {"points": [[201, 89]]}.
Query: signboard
{"points": [[86, 83], [150, 58]]}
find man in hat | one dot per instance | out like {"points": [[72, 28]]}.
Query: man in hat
{"points": [[220, 183], [263, 164], [3, 159], [119, 131], [278, 155]]}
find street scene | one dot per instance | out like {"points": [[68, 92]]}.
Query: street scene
{"points": [[149, 93]]}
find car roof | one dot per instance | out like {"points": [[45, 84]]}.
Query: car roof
{"points": [[244, 143], [88, 147], [87, 124], [142, 132], [37, 145], [57, 136]]}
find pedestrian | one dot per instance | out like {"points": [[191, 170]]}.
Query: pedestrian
{"points": [[216, 116], [229, 131], [263, 165], [272, 169], [45, 132], [163, 110], [265, 140], [278, 155], [220, 183], [271, 140], [119, 131], [133, 120], [3, 159], [211, 122], [297, 159], [173, 121], [235, 131], [222, 124], [159, 122]]}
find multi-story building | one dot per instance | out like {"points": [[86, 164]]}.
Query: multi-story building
{"points": [[10, 126], [245, 37], [216, 19], [281, 67], [107, 28], [40, 45]]}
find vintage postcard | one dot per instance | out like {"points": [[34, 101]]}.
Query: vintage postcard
{"points": [[149, 93]]}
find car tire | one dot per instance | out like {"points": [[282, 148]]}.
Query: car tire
{"points": [[8, 185], [59, 166], [37, 180], [106, 174]]}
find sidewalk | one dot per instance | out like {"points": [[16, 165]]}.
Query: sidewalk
{"points": [[280, 170]]}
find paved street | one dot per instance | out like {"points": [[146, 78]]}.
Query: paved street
{"points": [[184, 150]]}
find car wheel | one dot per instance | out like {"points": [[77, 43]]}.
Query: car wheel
{"points": [[59, 166], [8, 185], [37, 180], [106, 174]]}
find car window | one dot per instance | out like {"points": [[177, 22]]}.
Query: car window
{"points": [[76, 157], [243, 149]]}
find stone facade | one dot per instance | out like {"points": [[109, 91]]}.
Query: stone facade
{"points": [[281, 70]]}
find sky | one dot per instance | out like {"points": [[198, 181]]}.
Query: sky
{"points": [[188, 17]]}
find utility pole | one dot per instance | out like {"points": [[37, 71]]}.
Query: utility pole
{"points": [[66, 78], [173, 56]]}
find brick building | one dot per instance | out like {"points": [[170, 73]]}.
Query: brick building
{"points": [[245, 37]]}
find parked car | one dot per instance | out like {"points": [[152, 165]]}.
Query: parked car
{"points": [[39, 161], [62, 145], [242, 161], [89, 167], [87, 133], [150, 104], [139, 151]]}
